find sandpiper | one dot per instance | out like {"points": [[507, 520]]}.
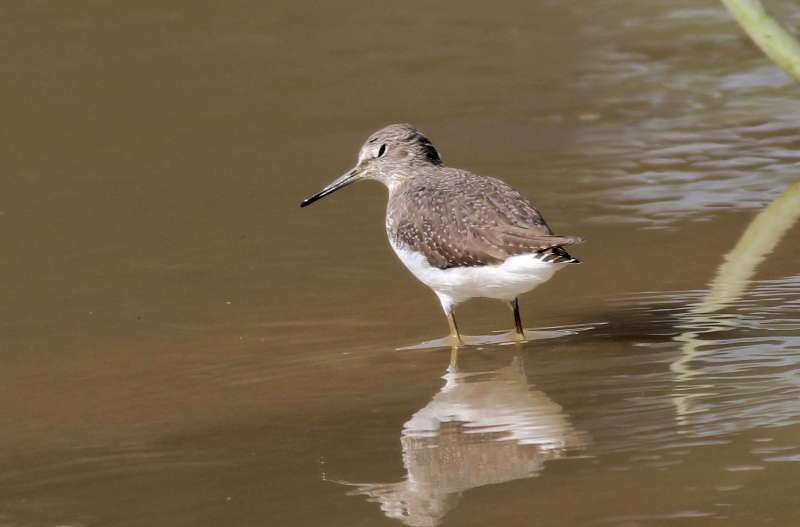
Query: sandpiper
{"points": [[461, 234]]}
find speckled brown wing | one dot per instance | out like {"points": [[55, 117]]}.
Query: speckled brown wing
{"points": [[484, 224]]}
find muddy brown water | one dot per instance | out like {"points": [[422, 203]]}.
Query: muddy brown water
{"points": [[183, 345]]}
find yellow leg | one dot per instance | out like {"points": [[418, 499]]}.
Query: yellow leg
{"points": [[519, 331], [448, 306], [455, 336]]}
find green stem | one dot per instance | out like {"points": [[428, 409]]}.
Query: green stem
{"points": [[774, 40]]}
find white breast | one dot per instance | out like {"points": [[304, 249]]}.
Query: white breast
{"points": [[504, 281]]}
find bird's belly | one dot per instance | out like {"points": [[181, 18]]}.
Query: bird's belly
{"points": [[504, 281]]}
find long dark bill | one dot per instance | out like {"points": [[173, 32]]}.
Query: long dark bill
{"points": [[342, 182]]}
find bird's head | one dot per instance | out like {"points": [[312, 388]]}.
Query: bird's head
{"points": [[388, 155]]}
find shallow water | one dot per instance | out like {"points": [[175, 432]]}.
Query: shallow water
{"points": [[183, 345]]}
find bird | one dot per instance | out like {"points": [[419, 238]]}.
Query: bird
{"points": [[461, 234]]}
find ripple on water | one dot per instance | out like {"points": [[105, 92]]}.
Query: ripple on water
{"points": [[734, 370], [696, 131]]}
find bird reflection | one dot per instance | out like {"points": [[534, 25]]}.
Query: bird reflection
{"points": [[482, 428]]}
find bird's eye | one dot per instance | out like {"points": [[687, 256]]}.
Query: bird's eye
{"points": [[381, 150]]}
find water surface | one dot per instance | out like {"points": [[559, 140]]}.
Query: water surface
{"points": [[183, 345]]}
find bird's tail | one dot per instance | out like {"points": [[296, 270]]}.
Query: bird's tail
{"points": [[557, 255]]}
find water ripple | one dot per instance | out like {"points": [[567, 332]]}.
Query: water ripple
{"points": [[688, 138]]}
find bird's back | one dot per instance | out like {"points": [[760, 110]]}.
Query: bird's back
{"points": [[460, 219]]}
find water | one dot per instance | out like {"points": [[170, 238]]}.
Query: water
{"points": [[183, 345]]}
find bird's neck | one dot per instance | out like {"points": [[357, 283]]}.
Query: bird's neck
{"points": [[400, 177]]}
